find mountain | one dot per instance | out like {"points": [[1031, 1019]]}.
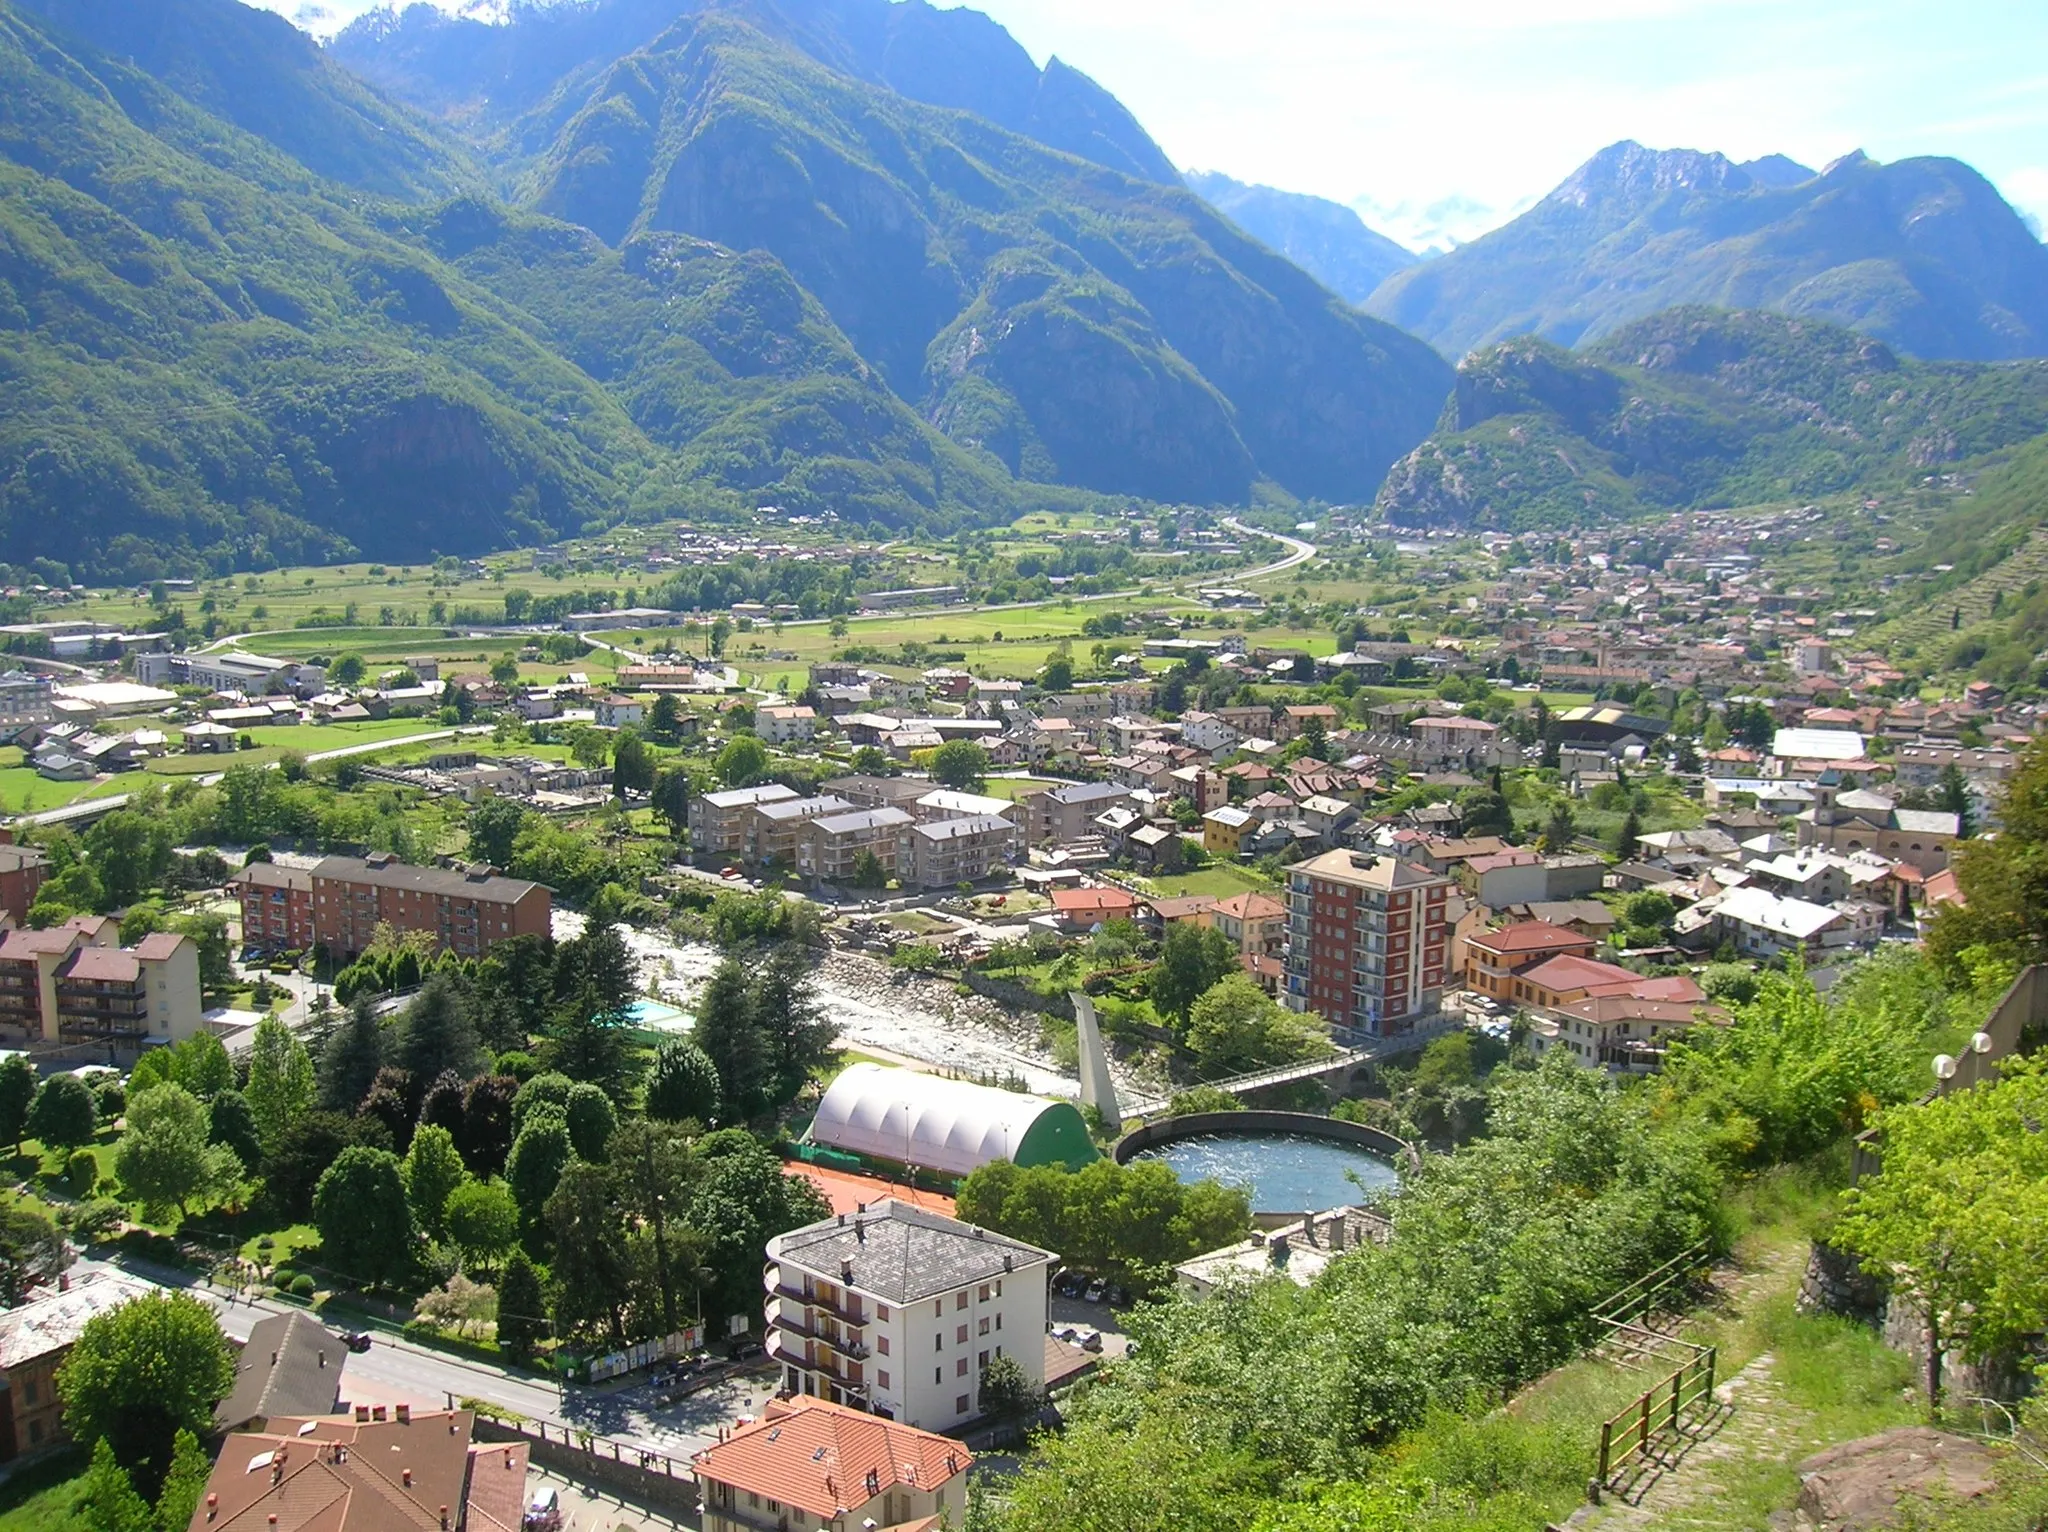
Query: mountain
{"points": [[261, 73], [216, 359], [489, 75], [1081, 324], [1326, 239], [1699, 407], [1922, 254]]}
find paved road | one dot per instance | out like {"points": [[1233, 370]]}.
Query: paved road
{"points": [[1298, 552], [626, 1412], [93, 808]]}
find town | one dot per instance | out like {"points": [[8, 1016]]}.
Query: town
{"points": [[577, 1059]]}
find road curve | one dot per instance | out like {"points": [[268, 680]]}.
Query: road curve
{"points": [[1298, 552]]}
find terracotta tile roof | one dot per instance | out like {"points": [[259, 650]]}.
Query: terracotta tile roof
{"points": [[105, 965], [496, 1501], [1252, 906], [328, 1473], [1111, 902], [818, 1456], [1527, 936]]}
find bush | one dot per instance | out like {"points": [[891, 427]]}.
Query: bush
{"points": [[98, 1219], [82, 1173], [283, 1278], [302, 1285]]}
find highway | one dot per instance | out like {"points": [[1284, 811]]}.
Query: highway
{"points": [[1298, 552]]}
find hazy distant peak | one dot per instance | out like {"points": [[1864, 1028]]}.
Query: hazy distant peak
{"points": [[1776, 170], [1629, 172], [1850, 161]]}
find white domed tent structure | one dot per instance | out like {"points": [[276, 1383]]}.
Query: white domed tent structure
{"points": [[951, 1126]]}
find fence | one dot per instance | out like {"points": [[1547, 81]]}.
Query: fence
{"points": [[651, 1478], [1655, 1415], [1647, 1293]]}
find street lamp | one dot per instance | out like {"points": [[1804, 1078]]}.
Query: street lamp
{"points": [[1944, 1067], [1979, 1045]]}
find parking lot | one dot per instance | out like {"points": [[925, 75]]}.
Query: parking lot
{"points": [[1084, 1316]]}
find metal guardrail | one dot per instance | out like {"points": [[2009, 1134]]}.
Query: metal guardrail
{"points": [[1643, 1296], [1653, 1416]]}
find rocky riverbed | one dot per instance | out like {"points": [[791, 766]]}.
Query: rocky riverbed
{"points": [[922, 1020]]}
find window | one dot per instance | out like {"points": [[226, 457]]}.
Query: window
{"points": [[938, 1308], [882, 1312], [882, 1344], [960, 1405], [999, 1325], [961, 1335], [960, 1299], [881, 1380], [984, 1324], [939, 1342], [938, 1375], [28, 1392], [960, 1368], [982, 1361]]}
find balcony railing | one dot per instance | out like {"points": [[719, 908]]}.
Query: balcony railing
{"points": [[838, 1308]]}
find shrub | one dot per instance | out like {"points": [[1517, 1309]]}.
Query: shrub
{"points": [[98, 1219], [302, 1285], [283, 1278], [82, 1173]]}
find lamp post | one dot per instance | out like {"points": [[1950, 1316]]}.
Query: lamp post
{"points": [[1980, 1047]]}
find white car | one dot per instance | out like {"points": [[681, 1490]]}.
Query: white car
{"points": [[544, 1513]]}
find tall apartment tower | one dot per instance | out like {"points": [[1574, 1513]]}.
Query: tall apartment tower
{"points": [[1368, 941]]}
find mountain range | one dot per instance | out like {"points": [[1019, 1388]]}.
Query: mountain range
{"points": [[445, 286], [1922, 253], [1326, 239]]}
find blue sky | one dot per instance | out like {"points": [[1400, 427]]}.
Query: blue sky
{"points": [[1442, 119]]}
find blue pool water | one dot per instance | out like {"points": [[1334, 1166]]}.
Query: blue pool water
{"points": [[1283, 1173], [657, 1016]]}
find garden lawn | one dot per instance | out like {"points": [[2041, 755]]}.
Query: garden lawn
{"points": [[41, 1496], [1220, 881]]}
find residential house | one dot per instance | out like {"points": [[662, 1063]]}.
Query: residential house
{"points": [[719, 821], [1623, 1033], [22, 871], [466, 910], [376, 1472], [808, 1463], [1294, 720], [290, 1365], [772, 827], [1328, 817], [1493, 959], [1063, 816], [941, 853], [35, 1338], [1254, 923], [1224, 830], [785, 725], [1083, 909], [1208, 733], [862, 1304], [72, 985], [1155, 848], [829, 848], [277, 906], [615, 712]]}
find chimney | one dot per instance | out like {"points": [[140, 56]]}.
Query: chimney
{"points": [[212, 1505], [405, 1477], [846, 1271], [362, 1412], [377, 1412], [860, 1231], [273, 1359], [405, 1414], [323, 1358], [1009, 1261], [444, 1519]]}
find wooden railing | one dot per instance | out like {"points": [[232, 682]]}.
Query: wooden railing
{"points": [[1654, 1416], [1648, 1292]]}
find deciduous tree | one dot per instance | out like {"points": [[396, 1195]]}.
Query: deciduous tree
{"points": [[433, 1171], [281, 1085], [144, 1371], [164, 1159], [365, 1222], [482, 1220], [63, 1114]]}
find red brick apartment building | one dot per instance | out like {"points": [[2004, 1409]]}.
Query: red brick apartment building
{"points": [[1368, 941], [343, 899], [22, 870]]}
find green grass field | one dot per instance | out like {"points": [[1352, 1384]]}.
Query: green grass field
{"points": [[1221, 881]]}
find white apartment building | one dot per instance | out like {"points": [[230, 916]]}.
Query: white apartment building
{"points": [[896, 1311]]}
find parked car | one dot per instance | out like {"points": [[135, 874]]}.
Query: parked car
{"points": [[356, 1340], [747, 1350], [1097, 1291], [543, 1512], [1092, 1341], [1119, 1296]]}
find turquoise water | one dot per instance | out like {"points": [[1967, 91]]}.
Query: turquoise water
{"points": [[1282, 1172], [655, 1016]]}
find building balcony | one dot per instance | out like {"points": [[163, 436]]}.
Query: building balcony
{"points": [[848, 1313]]}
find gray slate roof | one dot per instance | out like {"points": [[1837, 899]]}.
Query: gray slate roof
{"points": [[304, 1378], [901, 1254]]}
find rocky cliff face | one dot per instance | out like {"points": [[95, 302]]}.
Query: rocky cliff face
{"points": [[1922, 254]]}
